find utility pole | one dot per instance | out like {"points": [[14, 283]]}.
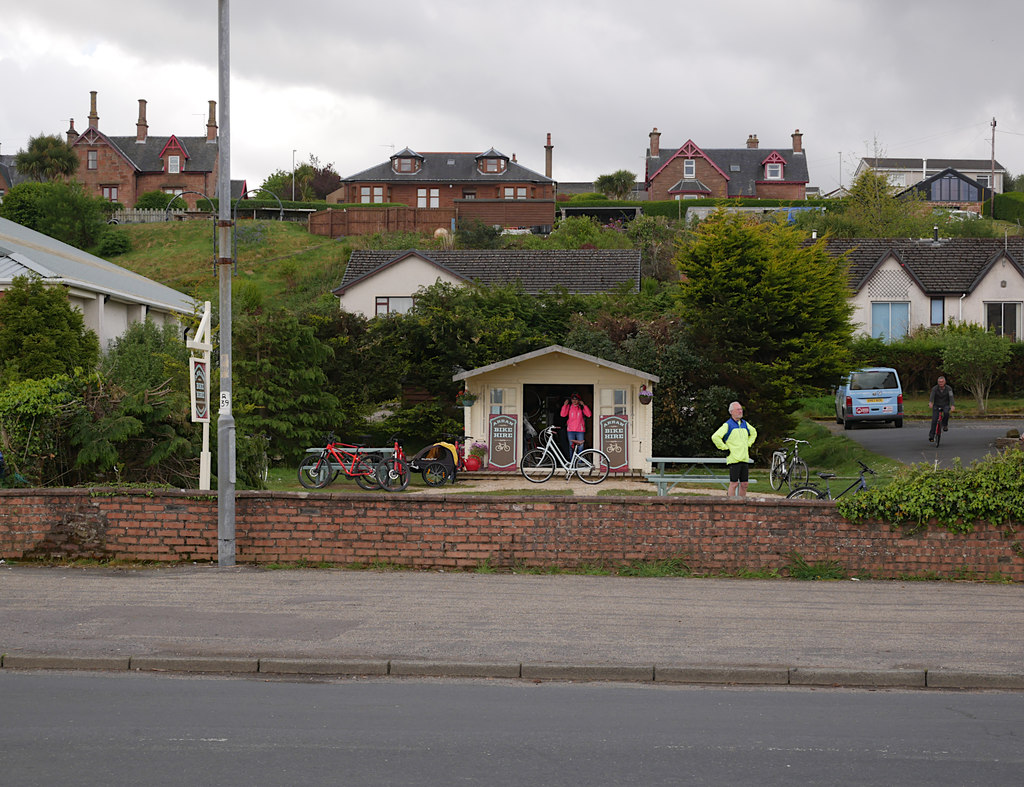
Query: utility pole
{"points": [[293, 175], [992, 176], [225, 419]]}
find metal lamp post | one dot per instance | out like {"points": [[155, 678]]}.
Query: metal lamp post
{"points": [[293, 176]]}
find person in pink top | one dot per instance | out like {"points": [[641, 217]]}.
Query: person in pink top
{"points": [[575, 412]]}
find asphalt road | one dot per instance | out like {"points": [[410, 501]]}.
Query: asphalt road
{"points": [[967, 439], [129, 729]]}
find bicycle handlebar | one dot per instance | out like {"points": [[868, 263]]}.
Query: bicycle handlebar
{"points": [[865, 468]]}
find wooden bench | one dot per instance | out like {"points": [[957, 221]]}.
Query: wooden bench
{"points": [[693, 470]]}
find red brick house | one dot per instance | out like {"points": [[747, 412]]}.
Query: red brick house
{"points": [[690, 172], [489, 185], [121, 169]]}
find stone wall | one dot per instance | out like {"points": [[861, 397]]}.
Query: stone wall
{"points": [[460, 532]]}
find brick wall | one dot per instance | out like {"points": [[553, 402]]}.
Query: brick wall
{"points": [[709, 534]]}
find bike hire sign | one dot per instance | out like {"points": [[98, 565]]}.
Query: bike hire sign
{"points": [[502, 433], [614, 431]]}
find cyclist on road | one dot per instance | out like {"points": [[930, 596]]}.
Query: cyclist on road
{"points": [[736, 436], [941, 402]]}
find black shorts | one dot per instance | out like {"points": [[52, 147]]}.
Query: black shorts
{"points": [[739, 471]]}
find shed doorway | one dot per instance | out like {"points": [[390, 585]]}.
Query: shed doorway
{"points": [[542, 407]]}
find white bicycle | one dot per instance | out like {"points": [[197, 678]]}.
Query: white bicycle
{"points": [[590, 465]]}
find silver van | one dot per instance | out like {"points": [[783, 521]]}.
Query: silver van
{"points": [[871, 394]]}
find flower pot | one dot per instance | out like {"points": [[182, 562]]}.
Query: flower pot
{"points": [[472, 462], [646, 397]]}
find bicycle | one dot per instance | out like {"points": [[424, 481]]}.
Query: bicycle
{"points": [[319, 470], [786, 469], [941, 424], [590, 465], [393, 473], [812, 492]]}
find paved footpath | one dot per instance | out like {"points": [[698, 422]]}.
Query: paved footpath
{"points": [[338, 622]]}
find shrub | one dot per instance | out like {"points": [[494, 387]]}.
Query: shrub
{"points": [[113, 243]]}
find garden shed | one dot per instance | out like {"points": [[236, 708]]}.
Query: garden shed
{"points": [[518, 397]]}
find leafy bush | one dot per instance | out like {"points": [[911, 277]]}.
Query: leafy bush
{"points": [[991, 490], [113, 243]]}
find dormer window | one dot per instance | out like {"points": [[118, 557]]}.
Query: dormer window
{"points": [[492, 163], [774, 167], [689, 169], [407, 162], [173, 165], [405, 165]]}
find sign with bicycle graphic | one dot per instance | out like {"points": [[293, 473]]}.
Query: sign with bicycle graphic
{"points": [[614, 436], [502, 434]]}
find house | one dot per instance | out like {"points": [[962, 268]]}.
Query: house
{"points": [[691, 172], [110, 298], [385, 282], [903, 172], [9, 175], [952, 190], [900, 285], [518, 397], [489, 185], [121, 169]]}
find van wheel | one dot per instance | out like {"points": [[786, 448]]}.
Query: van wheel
{"points": [[898, 423], [847, 425]]}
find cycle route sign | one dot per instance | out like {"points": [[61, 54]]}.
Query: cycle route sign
{"points": [[502, 434], [614, 432]]}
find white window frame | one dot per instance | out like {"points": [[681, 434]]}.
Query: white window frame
{"points": [[773, 171], [887, 333], [689, 169], [428, 198], [1018, 307], [92, 159], [938, 305], [173, 165]]}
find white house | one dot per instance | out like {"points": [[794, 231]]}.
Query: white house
{"points": [[902, 284], [110, 298]]}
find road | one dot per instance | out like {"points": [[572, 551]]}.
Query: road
{"points": [[967, 439], [101, 729]]}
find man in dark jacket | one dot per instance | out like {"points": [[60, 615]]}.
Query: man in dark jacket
{"points": [[941, 402]]}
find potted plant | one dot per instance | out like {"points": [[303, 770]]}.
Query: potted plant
{"points": [[465, 398], [477, 452], [646, 396]]}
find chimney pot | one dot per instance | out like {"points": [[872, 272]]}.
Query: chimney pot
{"points": [[655, 143], [752, 141], [798, 142], [71, 133], [94, 119], [141, 126], [211, 123], [547, 157]]}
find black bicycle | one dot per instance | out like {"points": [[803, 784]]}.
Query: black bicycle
{"points": [[813, 492]]}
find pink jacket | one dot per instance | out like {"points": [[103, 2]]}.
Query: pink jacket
{"points": [[576, 412]]}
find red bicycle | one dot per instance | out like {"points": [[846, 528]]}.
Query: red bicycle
{"points": [[321, 467], [941, 425], [393, 473]]}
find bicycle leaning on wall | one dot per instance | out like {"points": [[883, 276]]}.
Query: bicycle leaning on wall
{"points": [[590, 465], [788, 469]]}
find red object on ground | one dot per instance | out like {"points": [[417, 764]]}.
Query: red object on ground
{"points": [[472, 462]]}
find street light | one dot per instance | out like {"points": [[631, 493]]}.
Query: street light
{"points": [[293, 176]]}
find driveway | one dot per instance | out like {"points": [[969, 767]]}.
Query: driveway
{"points": [[967, 439]]}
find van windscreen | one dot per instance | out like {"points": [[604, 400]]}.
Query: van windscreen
{"points": [[864, 381]]}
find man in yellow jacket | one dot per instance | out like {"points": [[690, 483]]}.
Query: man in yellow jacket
{"points": [[736, 436]]}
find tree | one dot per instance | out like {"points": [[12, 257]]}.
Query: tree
{"points": [[618, 185], [974, 358], [61, 210], [41, 334], [48, 157], [871, 210], [769, 310], [656, 240], [324, 179]]}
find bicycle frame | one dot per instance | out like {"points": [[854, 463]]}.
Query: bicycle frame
{"points": [[551, 449], [590, 465]]}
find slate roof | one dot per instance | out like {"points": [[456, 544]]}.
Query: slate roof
{"points": [[579, 271], [25, 252], [448, 168], [9, 172], [925, 186], [145, 156], [748, 163], [555, 348], [948, 266], [932, 163]]}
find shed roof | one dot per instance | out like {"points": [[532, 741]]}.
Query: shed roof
{"points": [[555, 348]]}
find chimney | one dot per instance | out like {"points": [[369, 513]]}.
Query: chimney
{"points": [[752, 141], [798, 142], [514, 159], [94, 119], [547, 157], [71, 134], [141, 126], [211, 123], [655, 143]]}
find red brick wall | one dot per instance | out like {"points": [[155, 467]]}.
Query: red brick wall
{"points": [[709, 534], [673, 173]]}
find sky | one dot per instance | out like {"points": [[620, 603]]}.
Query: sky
{"points": [[351, 83]]}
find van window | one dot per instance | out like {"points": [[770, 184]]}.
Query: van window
{"points": [[865, 381]]}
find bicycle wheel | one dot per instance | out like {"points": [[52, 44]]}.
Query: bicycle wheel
{"points": [[393, 475], [777, 471], [435, 474], [591, 466], [798, 474], [807, 493], [365, 475], [315, 472], [938, 431], [537, 466]]}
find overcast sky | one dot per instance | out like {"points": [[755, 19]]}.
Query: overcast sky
{"points": [[351, 82]]}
